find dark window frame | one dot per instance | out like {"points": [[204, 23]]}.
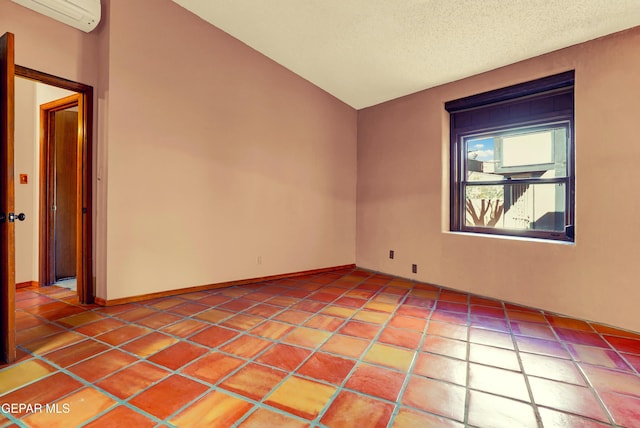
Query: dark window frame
{"points": [[534, 104]]}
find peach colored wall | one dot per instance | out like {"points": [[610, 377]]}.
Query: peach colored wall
{"points": [[217, 156], [207, 155], [403, 189]]}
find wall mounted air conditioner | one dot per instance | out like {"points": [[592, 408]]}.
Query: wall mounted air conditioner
{"points": [[81, 14]]}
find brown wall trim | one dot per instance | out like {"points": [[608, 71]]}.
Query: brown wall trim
{"points": [[28, 284], [123, 300]]}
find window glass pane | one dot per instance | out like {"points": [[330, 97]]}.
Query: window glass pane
{"points": [[505, 156], [527, 149], [539, 154], [484, 206], [480, 159], [516, 206]]}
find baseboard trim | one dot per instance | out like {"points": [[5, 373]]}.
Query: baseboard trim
{"points": [[28, 284], [142, 297]]}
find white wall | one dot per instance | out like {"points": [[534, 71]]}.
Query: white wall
{"points": [[25, 155]]}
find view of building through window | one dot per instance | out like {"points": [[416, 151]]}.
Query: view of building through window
{"points": [[514, 160]]}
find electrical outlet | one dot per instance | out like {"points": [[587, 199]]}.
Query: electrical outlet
{"points": [[259, 260], [391, 254], [414, 268]]}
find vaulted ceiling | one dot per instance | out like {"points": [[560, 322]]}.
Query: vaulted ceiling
{"points": [[369, 51]]}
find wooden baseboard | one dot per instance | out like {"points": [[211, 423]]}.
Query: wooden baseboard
{"points": [[123, 300], [28, 284]]}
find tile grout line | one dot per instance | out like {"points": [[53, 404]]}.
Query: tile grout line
{"points": [[534, 405], [467, 393], [409, 372], [590, 386], [615, 350], [359, 360]]}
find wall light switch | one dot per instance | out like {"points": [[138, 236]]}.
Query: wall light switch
{"points": [[24, 179]]}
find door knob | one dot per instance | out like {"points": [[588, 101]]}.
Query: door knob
{"points": [[13, 217]]}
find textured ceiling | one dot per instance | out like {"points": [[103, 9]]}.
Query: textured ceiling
{"points": [[368, 51]]}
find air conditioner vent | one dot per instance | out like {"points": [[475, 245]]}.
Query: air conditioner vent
{"points": [[81, 14]]}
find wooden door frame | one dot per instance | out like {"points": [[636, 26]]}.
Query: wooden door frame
{"points": [[84, 253], [46, 265]]}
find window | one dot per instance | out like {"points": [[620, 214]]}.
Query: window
{"points": [[512, 169]]}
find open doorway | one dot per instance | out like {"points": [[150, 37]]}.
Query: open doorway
{"points": [[44, 140], [57, 248], [60, 124]]}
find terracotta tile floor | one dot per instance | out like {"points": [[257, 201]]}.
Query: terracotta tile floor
{"points": [[339, 349]]}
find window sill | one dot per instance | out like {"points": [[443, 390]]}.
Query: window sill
{"points": [[510, 238]]}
